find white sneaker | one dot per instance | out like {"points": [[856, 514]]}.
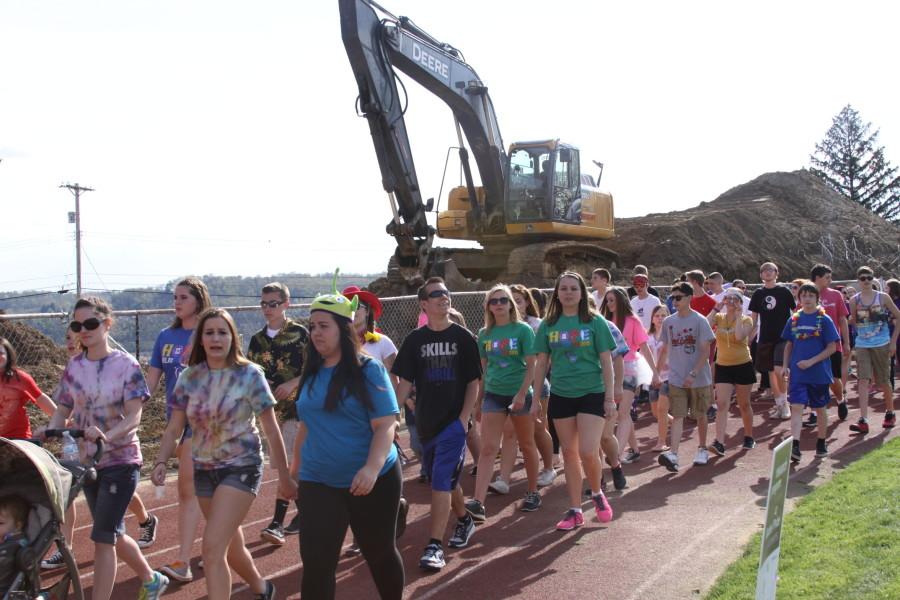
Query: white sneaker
{"points": [[498, 486], [546, 477], [785, 412], [702, 457]]}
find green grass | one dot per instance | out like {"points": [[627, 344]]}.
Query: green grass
{"points": [[841, 541]]}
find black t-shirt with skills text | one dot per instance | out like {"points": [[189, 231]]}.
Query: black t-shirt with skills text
{"points": [[774, 306], [440, 364]]}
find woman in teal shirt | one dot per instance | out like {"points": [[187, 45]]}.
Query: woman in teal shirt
{"points": [[577, 343], [344, 455], [506, 347]]}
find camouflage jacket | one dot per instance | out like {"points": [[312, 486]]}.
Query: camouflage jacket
{"points": [[281, 358]]}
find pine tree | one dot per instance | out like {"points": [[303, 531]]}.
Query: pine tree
{"points": [[850, 161]]}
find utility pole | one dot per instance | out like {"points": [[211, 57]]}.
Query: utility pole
{"points": [[76, 191]]}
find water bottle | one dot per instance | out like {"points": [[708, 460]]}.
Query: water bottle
{"points": [[69, 448]]}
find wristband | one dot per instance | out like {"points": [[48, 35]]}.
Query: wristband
{"points": [[156, 464]]}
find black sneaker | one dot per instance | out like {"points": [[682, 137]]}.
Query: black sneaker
{"points": [[463, 533], [749, 443], [711, 413], [148, 532], [476, 510], [269, 594], [293, 528], [795, 452], [402, 512], [843, 411], [274, 534], [718, 448], [54, 561], [821, 448], [619, 478], [811, 421], [531, 503], [433, 558]]}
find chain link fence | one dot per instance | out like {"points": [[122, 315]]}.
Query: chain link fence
{"points": [[40, 338]]}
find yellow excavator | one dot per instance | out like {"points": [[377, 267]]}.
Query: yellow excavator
{"points": [[535, 213]]}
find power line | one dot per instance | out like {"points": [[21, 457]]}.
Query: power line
{"points": [[34, 295]]}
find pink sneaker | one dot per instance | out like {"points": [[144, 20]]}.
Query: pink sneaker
{"points": [[570, 521], [604, 510]]}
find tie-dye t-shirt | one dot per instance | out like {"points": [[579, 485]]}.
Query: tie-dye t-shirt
{"points": [[96, 392], [221, 407]]}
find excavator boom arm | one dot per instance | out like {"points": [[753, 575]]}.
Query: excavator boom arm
{"points": [[377, 46]]}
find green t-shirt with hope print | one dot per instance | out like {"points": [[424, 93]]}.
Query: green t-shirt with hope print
{"points": [[574, 348], [505, 348]]}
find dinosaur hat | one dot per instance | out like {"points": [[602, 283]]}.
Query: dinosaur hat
{"points": [[335, 302]]}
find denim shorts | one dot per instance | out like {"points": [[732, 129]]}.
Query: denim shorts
{"points": [[108, 499], [662, 390], [498, 403], [246, 478]]}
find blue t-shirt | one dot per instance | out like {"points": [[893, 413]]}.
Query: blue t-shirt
{"points": [[810, 334], [170, 356], [337, 442]]}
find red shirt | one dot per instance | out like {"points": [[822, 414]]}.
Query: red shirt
{"points": [[15, 393], [833, 303], [703, 304]]}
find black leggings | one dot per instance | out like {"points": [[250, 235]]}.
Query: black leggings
{"points": [[325, 513]]}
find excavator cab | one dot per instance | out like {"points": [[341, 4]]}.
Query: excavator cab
{"points": [[544, 183]]}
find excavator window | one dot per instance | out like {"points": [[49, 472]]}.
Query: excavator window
{"points": [[529, 185], [566, 186]]}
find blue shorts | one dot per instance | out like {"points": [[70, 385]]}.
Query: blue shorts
{"points": [[498, 403], [108, 499], [247, 479], [813, 395], [443, 457]]}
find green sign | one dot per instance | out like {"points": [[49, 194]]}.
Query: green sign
{"points": [[767, 575]]}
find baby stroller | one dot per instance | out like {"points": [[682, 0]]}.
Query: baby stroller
{"points": [[49, 486]]}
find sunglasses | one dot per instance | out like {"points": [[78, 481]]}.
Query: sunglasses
{"points": [[271, 303], [503, 300], [677, 297], [89, 324], [795, 287], [866, 277], [438, 293]]}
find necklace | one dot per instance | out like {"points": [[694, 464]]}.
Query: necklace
{"points": [[795, 320]]}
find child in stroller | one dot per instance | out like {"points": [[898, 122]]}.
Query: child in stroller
{"points": [[35, 490], [13, 516]]}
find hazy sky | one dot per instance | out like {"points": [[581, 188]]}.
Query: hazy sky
{"points": [[221, 137]]}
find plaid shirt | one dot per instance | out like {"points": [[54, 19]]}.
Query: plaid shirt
{"points": [[281, 358]]}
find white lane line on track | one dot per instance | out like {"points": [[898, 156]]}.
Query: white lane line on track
{"points": [[130, 515], [171, 548]]}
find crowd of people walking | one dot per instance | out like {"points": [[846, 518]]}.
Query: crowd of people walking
{"points": [[559, 380]]}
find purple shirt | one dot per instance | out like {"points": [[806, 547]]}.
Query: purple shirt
{"points": [[96, 392]]}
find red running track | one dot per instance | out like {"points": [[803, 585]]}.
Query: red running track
{"points": [[671, 536]]}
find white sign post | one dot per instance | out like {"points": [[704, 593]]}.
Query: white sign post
{"points": [[767, 575]]}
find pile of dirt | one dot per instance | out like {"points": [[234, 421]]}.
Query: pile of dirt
{"points": [[792, 219], [32, 346]]}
